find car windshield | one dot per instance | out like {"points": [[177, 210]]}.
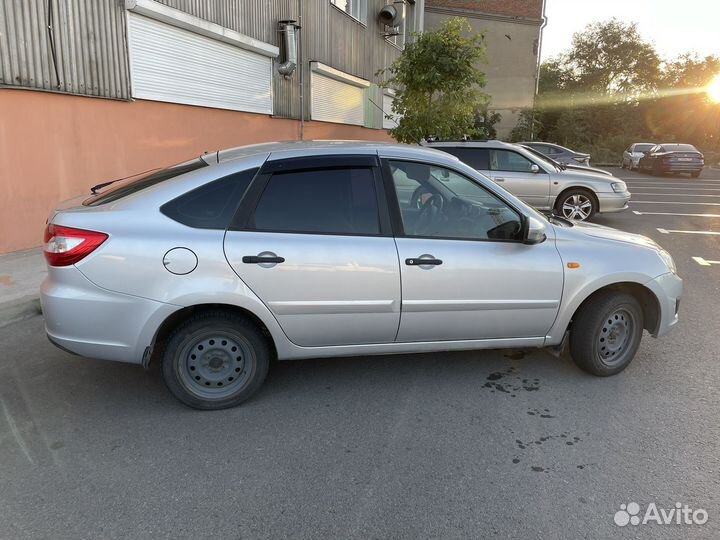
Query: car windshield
{"points": [[544, 158]]}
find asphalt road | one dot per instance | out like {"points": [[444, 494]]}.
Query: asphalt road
{"points": [[463, 445]]}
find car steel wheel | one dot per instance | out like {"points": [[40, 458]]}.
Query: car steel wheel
{"points": [[215, 365], [577, 206], [615, 337]]}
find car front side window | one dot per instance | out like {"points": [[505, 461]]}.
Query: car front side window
{"points": [[446, 204]]}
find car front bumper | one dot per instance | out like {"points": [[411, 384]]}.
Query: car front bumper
{"points": [[613, 202], [90, 321], [668, 290]]}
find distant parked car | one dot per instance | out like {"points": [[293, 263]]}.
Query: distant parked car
{"points": [[576, 195], [565, 166], [673, 158], [560, 153], [631, 156]]}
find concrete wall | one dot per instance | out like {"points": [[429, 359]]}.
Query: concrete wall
{"points": [[54, 147], [512, 54]]}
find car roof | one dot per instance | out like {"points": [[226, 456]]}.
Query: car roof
{"points": [[470, 144], [297, 146]]}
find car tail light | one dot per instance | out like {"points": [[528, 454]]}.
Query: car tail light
{"points": [[65, 245]]}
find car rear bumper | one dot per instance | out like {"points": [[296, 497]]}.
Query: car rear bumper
{"points": [[668, 289], [613, 202], [84, 319]]}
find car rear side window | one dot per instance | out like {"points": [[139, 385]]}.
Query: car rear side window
{"points": [[477, 158], [326, 201], [117, 189], [212, 205]]}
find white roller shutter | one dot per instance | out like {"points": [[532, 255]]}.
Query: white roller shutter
{"points": [[387, 109], [172, 64], [337, 100]]}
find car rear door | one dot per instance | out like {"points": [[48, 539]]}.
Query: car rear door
{"points": [[513, 171], [464, 275], [313, 241]]}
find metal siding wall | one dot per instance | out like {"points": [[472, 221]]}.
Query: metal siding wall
{"points": [[89, 40], [92, 52]]}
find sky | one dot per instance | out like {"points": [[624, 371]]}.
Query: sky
{"points": [[674, 26]]}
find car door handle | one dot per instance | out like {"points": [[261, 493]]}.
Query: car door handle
{"points": [[499, 179], [421, 262], [255, 259]]}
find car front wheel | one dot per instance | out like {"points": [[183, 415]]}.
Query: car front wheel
{"points": [[215, 360], [577, 205], [606, 333]]}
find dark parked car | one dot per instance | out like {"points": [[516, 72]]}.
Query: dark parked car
{"points": [[673, 158], [564, 166], [560, 153]]}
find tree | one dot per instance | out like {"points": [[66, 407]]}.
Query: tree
{"points": [[485, 121], [611, 57], [438, 85], [527, 127]]}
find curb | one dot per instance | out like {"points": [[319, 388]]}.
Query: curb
{"points": [[19, 310]]}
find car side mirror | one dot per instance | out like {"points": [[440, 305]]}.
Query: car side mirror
{"points": [[534, 231], [534, 168]]}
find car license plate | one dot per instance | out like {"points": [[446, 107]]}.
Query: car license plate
{"points": [[684, 159]]}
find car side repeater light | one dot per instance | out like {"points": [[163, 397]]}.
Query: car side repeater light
{"points": [[573, 265]]}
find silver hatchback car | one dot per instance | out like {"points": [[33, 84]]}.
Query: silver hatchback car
{"points": [[317, 249], [574, 194]]}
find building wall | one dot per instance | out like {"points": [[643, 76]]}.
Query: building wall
{"points": [[512, 30], [54, 147], [56, 142]]}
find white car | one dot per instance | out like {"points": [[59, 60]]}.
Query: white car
{"points": [[632, 155]]}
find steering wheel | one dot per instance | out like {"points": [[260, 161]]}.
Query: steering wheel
{"points": [[415, 200], [429, 213]]}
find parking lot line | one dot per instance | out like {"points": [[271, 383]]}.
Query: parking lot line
{"points": [[675, 214], [672, 231], [704, 262], [675, 202], [680, 195], [677, 188]]}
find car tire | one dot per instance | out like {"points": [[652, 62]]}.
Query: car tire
{"points": [[695, 174], [583, 196], [606, 333], [215, 360]]}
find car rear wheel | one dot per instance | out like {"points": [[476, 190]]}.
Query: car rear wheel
{"points": [[215, 360], [576, 204], [606, 333]]}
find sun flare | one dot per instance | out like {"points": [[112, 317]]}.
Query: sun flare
{"points": [[713, 89]]}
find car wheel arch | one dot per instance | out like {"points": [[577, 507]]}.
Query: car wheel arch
{"points": [[171, 322], [647, 299]]}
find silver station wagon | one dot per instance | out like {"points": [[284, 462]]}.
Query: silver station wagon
{"points": [[316, 249]]}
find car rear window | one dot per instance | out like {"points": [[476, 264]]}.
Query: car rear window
{"points": [[644, 147], [679, 148], [212, 205], [124, 187]]}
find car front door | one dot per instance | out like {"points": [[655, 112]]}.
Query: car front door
{"points": [[313, 241], [514, 172], [466, 275]]}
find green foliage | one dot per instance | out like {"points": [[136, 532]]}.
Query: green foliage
{"points": [[485, 121], [528, 126], [438, 84], [611, 89]]}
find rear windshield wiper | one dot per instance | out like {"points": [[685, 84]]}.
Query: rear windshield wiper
{"points": [[95, 189]]}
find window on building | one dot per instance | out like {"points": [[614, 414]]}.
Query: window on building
{"points": [[355, 8], [397, 34]]}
